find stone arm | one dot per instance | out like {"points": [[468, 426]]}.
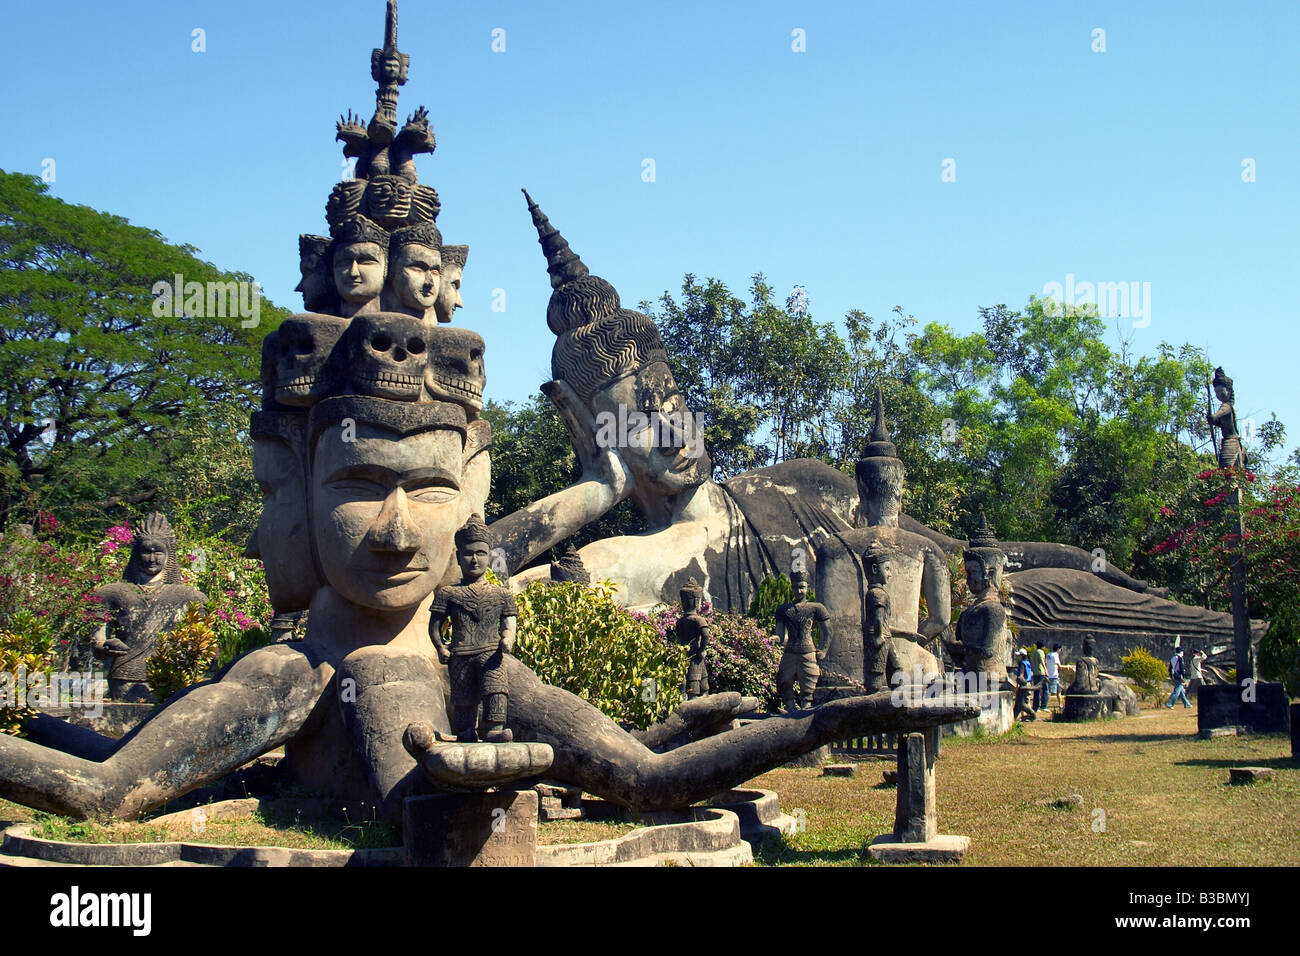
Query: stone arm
{"points": [[508, 633], [827, 638], [701, 642], [435, 635], [937, 592], [605, 481], [781, 630]]}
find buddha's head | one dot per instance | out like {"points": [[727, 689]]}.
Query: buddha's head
{"points": [[388, 493], [360, 261], [153, 553], [985, 561], [414, 269], [453, 268], [614, 360], [282, 539], [880, 476]]}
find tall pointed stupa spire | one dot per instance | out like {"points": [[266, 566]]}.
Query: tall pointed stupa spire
{"points": [[880, 446], [562, 262]]}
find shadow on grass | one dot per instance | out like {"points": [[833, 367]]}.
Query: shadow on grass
{"points": [[1135, 738], [1281, 763], [776, 852]]}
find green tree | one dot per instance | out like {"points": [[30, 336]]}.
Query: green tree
{"points": [[96, 386]]}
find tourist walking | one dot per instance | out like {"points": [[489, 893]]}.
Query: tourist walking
{"points": [[1197, 675], [1024, 685], [1178, 674], [1038, 660], [1053, 667]]}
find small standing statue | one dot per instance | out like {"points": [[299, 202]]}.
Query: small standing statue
{"points": [[801, 656], [1231, 454], [1087, 676], [149, 600], [879, 656], [694, 631], [983, 639], [482, 631]]}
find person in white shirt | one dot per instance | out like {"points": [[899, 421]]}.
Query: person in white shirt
{"points": [[1053, 669]]}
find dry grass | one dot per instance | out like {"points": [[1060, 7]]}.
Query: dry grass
{"points": [[1163, 793], [554, 832]]}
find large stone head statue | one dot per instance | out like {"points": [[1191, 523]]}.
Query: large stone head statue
{"points": [[153, 553], [985, 561], [880, 476], [614, 360]]}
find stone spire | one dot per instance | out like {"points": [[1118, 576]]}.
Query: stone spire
{"points": [[562, 262], [880, 446]]}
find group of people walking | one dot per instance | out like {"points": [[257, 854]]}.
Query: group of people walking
{"points": [[1038, 672]]}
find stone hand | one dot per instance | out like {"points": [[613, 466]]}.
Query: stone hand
{"points": [[603, 464], [458, 767]]}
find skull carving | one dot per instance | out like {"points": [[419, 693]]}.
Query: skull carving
{"points": [[455, 369], [301, 349], [388, 356]]}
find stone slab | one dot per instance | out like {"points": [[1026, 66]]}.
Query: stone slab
{"points": [[1247, 775], [942, 848], [839, 770], [1209, 733], [479, 829]]}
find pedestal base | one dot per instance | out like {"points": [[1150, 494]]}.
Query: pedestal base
{"points": [[1085, 707], [476, 829], [1220, 705], [941, 848]]}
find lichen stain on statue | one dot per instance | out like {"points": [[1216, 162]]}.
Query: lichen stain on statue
{"points": [[148, 601], [371, 455]]}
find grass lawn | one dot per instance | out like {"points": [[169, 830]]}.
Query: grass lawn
{"points": [[1163, 796]]}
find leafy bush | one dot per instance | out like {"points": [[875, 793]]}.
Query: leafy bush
{"points": [[184, 656], [28, 650], [577, 638], [742, 657], [1146, 671], [1279, 650]]}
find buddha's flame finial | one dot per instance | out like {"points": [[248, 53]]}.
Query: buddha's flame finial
{"points": [[562, 263]]}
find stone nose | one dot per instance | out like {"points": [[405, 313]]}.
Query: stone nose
{"points": [[394, 529]]}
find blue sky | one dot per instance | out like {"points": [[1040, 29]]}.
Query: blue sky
{"points": [[820, 168]]}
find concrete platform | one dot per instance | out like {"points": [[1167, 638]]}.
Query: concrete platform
{"points": [[943, 848]]}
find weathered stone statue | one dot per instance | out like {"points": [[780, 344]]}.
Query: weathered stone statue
{"points": [[800, 654], [1224, 418], [414, 271], [360, 705], [149, 600], [880, 659], [317, 285], [482, 617], [983, 638], [693, 631], [360, 264], [917, 569], [1087, 675], [570, 568], [453, 267]]}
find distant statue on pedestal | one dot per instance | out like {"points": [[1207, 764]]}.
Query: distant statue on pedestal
{"points": [[148, 601], [880, 661], [1231, 454]]}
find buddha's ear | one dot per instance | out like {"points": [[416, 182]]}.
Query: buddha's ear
{"points": [[477, 458]]}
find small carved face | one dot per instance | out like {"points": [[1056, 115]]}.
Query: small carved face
{"points": [[389, 353], [474, 560], [455, 369], [984, 574], [449, 292], [151, 559], [801, 590], [388, 200], [879, 570], [359, 271], [385, 512], [1221, 393], [302, 348], [415, 277], [317, 287]]}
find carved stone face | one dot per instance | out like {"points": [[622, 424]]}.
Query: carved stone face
{"points": [[281, 539], [1221, 393], [359, 271], [662, 467], [415, 278], [984, 573], [388, 356], [800, 591], [474, 560], [302, 347], [317, 286], [880, 492], [150, 559], [385, 513], [455, 369], [879, 571], [449, 291]]}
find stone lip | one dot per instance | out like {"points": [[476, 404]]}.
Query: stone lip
{"points": [[944, 848], [710, 837]]}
